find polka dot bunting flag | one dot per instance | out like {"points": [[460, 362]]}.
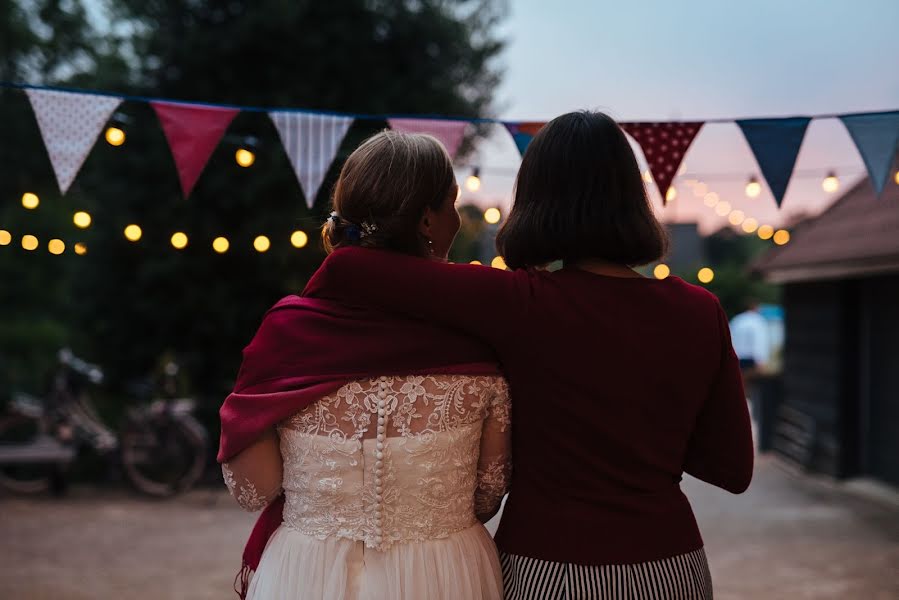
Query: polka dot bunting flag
{"points": [[664, 146]]}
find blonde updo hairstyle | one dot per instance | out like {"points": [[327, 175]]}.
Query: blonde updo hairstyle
{"points": [[383, 190]]}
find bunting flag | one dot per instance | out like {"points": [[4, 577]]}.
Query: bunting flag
{"points": [[876, 136], [193, 132], [450, 133], [523, 133], [664, 146], [70, 123], [775, 144], [311, 141]]}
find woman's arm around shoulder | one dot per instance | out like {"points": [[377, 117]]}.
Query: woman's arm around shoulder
{"points": [[254, 475], [495, 460]]}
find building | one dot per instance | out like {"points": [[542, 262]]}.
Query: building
{"points": [[839, 408]]}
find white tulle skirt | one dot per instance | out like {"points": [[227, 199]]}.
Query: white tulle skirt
{"points": [[294, 566]]}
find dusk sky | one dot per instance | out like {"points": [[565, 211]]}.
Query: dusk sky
{"points": [[700, 59]]}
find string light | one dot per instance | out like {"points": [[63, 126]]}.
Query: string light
{"points": [[647, 176], [299, 239], [133, 233], [473, 182], [498, 263], [492, 215], [831, 183], [736, 217], [179, 240], [5, 237], [115, 136], [661, 271], [700, 189], [705, 275], [671, 194], [475, 262], [80, 249], [896, 177], [220, 245], [29, 242], [262, 243], [244, 157], [56, 246], [753, 188], [711, 199], [750, 225], [765, 232], [722, 208], [781, 237], [82, 219], [30, 200]]}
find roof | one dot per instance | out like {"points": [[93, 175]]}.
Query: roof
{"points": [[858, 235]]}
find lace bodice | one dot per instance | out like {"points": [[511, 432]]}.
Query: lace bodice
{"points": [[386, 460]]}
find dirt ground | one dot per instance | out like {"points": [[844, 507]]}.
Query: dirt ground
{"points": [[787, 537]]}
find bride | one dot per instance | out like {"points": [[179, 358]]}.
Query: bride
{"points": [[376, 445]]}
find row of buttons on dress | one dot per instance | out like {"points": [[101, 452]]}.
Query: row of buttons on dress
{"points": [[379, 455]]}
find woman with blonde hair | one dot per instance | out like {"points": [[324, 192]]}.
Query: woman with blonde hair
{"points": [[377, 445]]}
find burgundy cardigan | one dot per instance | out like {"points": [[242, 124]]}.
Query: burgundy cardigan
{"points": [[619, 386]]}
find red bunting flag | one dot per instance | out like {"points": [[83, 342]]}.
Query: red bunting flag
{"points": [[664, 146], [193, 132], [450, 133]]}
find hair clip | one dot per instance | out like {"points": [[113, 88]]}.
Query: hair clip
{"points": [[368, 228]]}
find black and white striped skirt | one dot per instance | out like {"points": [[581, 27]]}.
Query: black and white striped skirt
{"points": [[682, 577]]}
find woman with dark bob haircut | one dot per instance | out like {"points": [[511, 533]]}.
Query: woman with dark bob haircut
{"points": [[620, 383]]}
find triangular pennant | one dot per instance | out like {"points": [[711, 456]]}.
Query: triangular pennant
{"points": [[775, 144], [70, 123], [523, 133], [876, 136], [311, 142], [193, 132], [450, 133], [664, 146]]}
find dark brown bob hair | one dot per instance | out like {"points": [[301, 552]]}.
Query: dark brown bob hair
{"points": [[385, 185], [579, 195]]}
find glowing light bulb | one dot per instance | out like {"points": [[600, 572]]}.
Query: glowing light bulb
{"points": [[262, 243], [671, 195], [492, 215], [498, 263], [56, 246], [5, 238], [475, 262], [81, 219], [781, 237], [299, 239], [753, 188], [29, 242], [473, 182], [896, 177], [80, 249], [711, 199], [706, 275], [831, 183], [647, 176], [115, 136], [661, 271], [700, 189], [244, 157], [736, 217], [765, 232], [220, 245], [134, 233], [179, 240], [30, 201], [722, 208], [750, 225]]}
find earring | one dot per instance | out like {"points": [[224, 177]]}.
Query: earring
{"points": [[430, 247]]}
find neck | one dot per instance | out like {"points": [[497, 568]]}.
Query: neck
{"points": [[605, 267]]}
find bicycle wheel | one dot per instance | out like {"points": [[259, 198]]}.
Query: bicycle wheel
{"points": [[164, 456], [16, 430]]}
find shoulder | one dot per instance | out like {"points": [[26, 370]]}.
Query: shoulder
{"points": [[695, 294]]}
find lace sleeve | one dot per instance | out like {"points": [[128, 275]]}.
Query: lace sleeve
{"points": [[495, 462], [254, 476]]}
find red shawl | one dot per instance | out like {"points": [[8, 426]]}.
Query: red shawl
{"points": [[308, 348]]}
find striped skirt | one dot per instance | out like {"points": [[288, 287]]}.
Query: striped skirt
{"points": [[682, 577]]}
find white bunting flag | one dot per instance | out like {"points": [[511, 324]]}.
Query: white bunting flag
{"points": [[70, 124], [311, 142]]}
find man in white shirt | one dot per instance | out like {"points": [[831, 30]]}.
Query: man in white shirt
{"points": [[750, 337]]}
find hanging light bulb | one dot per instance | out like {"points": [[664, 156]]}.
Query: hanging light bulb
{"points": [[30, 200], [700, 190], [473, 182], [133, 234], [29, 242], [115, 136], [831, 183], [705, 275], [896, 177], [220, 245], [492, 215], [179, 240], [82, 219], [711, 199], [498, 263], [80, 249], [753, 188], [647, 176], [244, 157], [56, 246], [661, 271], [262, 243], [5, 237], [299, 239], [672, 194]]}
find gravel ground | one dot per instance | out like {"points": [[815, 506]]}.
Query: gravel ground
{"points": [[787, 537]]}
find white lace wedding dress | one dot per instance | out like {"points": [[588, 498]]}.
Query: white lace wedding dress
{"points": [[386, 483]]}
